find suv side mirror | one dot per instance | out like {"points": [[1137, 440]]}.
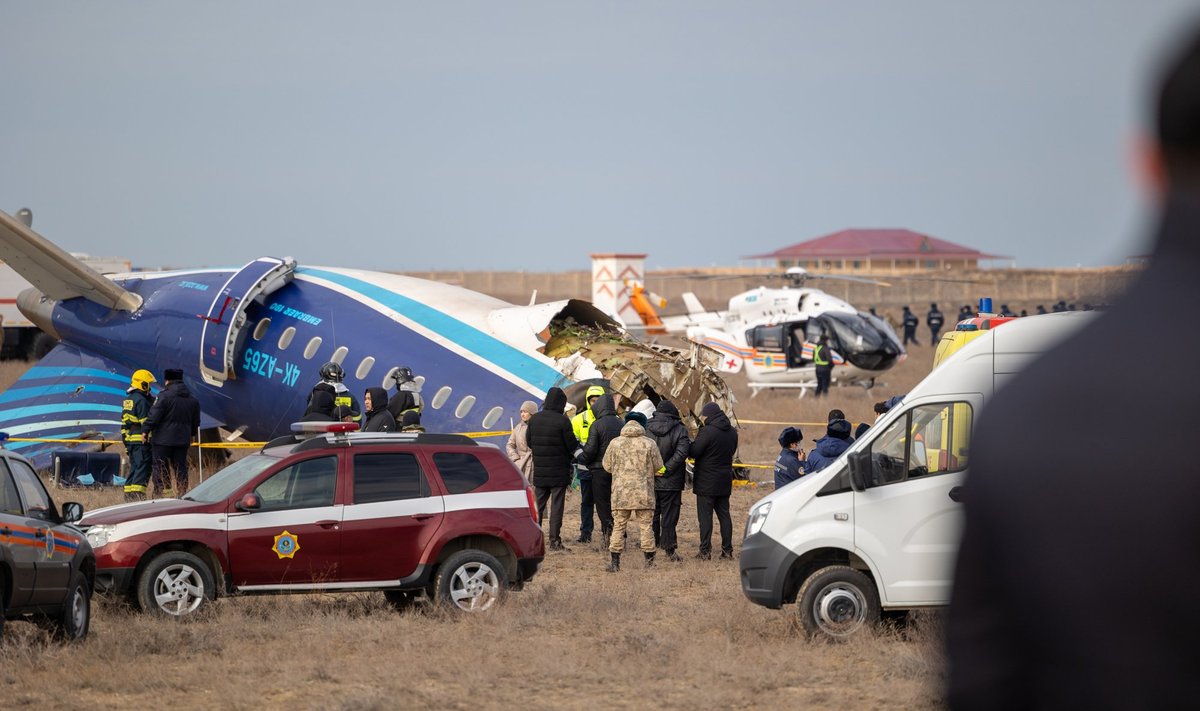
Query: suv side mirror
{"points": [[860, 469], [249, 502], [72, 511]]}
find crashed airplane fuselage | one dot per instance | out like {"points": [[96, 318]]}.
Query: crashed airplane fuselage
{"points": [[251, 341]]}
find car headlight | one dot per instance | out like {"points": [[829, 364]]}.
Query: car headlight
{"points": [[98, 535], [758, 516]]}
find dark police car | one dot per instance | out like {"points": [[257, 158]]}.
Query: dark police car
{"points": [[46, 565]]}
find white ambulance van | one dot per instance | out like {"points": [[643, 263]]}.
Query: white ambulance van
{"points": [[878, 530]]}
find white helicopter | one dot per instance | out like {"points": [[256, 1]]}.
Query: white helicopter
{"points": [[771, 332]]}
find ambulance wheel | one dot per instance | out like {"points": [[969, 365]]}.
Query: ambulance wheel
{"points": [[470, 581], [837, 601], [72, 623], [176, 584]]}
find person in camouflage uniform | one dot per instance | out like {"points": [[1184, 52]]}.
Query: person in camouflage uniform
{"points": [[632, 459]]}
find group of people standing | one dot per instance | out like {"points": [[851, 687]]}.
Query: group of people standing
{"points": [[157, 433], [331, 401], [631, 467]]}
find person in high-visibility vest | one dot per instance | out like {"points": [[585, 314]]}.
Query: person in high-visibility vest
{"points": [[580, 425], [134, 433], [823, 364]]}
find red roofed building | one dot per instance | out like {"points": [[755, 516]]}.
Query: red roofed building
{"points": [[877, 249]]}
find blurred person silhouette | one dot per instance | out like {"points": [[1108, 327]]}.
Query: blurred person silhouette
{"points": [[910, 322], [934, 319], [1077, 576]]}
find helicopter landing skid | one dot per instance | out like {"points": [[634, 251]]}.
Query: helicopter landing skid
{"points": [[804, 388]]}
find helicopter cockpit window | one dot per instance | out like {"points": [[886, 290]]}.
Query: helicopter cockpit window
{"points": [[767, 338]]}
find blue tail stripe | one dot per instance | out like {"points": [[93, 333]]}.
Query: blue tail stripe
{"points": [[42, 371], [17, 413], [23, 391]]}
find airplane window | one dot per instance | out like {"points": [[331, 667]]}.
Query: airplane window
{"points": [[419, 380], [440, 397], [261, 329], [365, 367], [464, 407], [339, 355], [490, 418], [285, 338], [311, 349]]}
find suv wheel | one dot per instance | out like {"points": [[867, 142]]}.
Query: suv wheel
{"points": [[471, 581], [73, 621], [175, 583], [837, 601]]}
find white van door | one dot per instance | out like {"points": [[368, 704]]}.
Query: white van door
{"points": [[909, 520]]}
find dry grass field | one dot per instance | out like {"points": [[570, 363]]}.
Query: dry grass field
{"points": [[676, 636]]}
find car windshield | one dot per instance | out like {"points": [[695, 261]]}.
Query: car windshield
{"points": [[230, 479]]}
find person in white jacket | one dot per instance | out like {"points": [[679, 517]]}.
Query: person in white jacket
{"points": [[518, 451]]}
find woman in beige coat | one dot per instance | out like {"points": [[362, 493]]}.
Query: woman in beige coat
{"points": [[518, 451]]}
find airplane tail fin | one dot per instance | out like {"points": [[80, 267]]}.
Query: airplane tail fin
{"points": [[693, 304], [54, 271]]}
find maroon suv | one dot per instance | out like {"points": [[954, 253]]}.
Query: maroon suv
{"points": [[403, 513]]}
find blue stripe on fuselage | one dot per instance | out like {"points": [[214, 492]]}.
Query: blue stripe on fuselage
{"points": [[520, 364]]}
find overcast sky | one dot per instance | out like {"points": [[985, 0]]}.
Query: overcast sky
{"points": [[505, 135]]}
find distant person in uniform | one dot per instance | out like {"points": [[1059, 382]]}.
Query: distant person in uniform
{"points": [[174, 419], [910, 322], [1060, 306], [1005, 311], [331, 382], [408, 394], [134, 433], [1041, 309], [1077, 577], [934, 319], [376, 417], [633, 460], [789, 465], [822, 365], [581, 423], [965, 313]]}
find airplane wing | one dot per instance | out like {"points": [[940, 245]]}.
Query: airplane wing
{"points": [[68, 395], [54, 271]]}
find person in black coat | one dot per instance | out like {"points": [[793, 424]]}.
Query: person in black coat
{"points": [[910, 322], [376, 417], [173, 419], [712, 477], [553, 445], [603, 430], [1080, 559], [673, 443], [934, 319], [320, 407]]}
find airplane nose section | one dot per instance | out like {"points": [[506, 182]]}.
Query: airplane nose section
{"points": [[39, 309]]}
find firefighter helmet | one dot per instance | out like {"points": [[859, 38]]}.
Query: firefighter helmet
{"points": [[141, 380], [403, 374], [332, 372]]}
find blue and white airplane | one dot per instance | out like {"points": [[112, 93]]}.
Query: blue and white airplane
{"points": [[251, 341]]}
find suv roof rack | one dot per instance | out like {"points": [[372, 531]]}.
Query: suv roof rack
{"points": [[361, 438]]}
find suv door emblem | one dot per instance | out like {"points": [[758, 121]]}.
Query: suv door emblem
{"points": [[286, 545]]}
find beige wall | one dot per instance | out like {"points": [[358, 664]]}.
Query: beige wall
{"points": [[1019, 288]]}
